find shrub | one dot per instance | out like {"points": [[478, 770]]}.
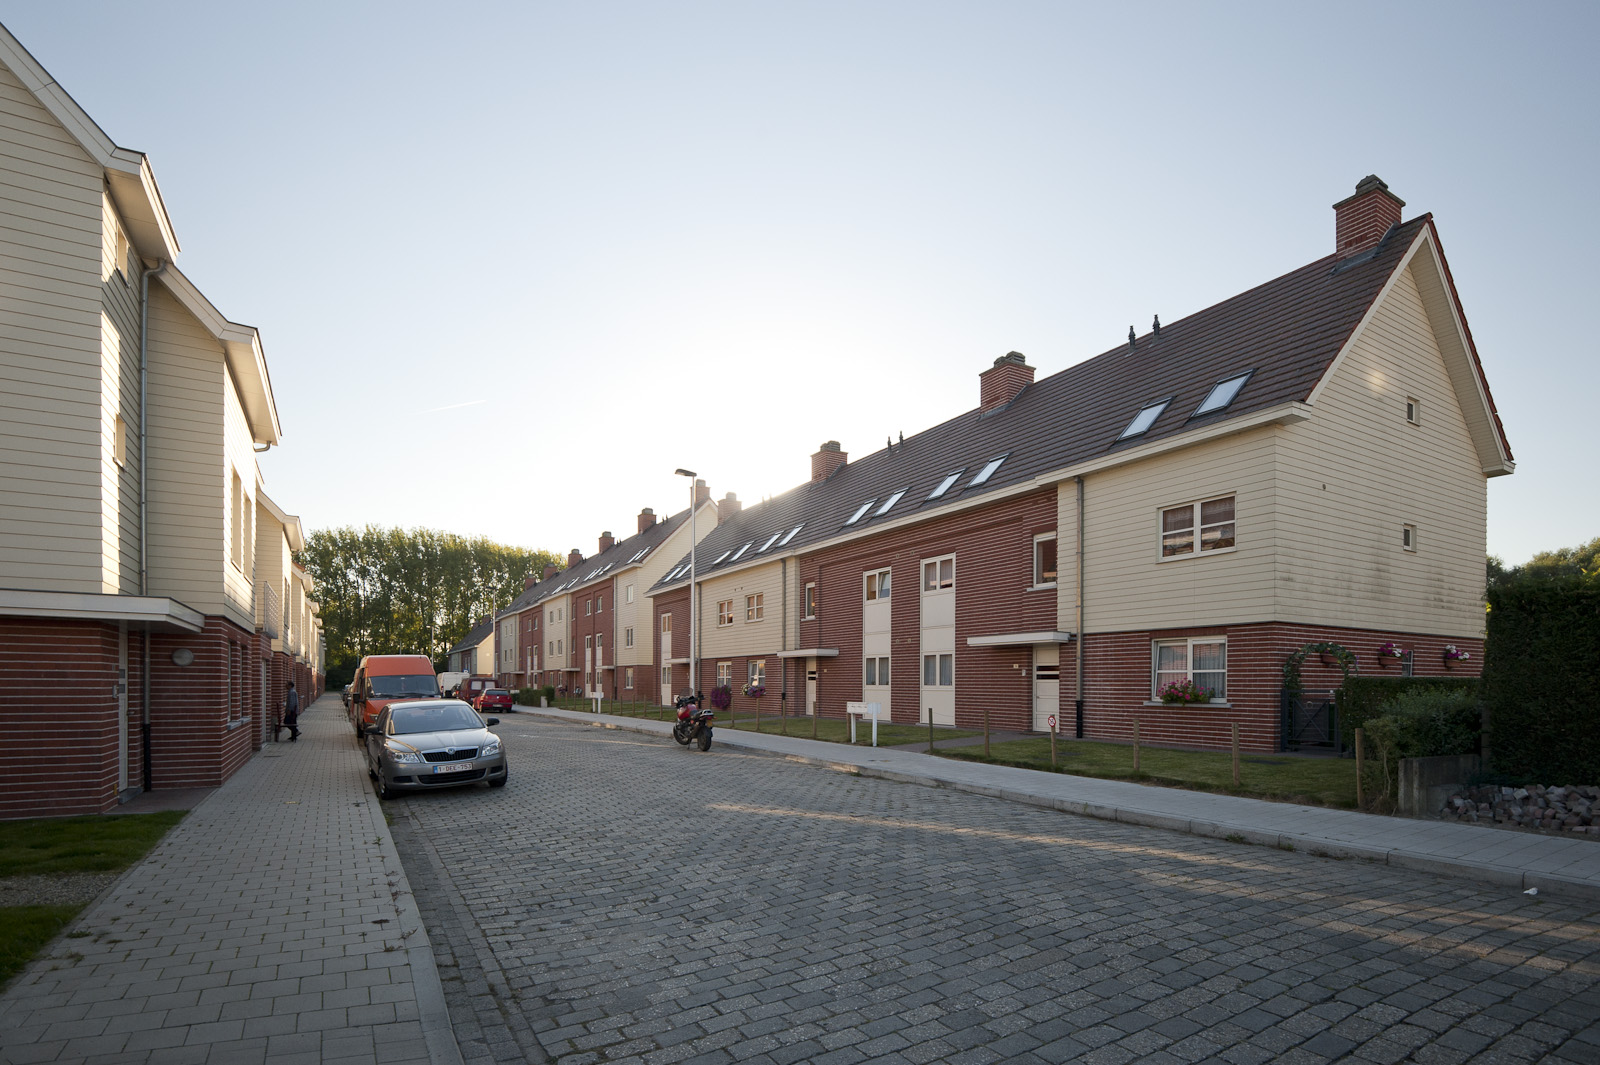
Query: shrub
{"points": [[1423, 721], [1363, 698], [549, 693]]}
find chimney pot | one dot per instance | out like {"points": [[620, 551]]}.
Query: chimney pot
{"points": [[1361, 220], [1002, 382], [550, 570], [647, 518], [529, 581], [701, 493], [574, 557], [728, 506], [827, 459]]}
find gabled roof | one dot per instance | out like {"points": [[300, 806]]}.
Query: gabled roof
{"points": [[132, 183], [480, 632], [242, 345], [1286, 334], [618, 558]]}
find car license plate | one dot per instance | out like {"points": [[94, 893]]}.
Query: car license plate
{"points": [[459, 767]]}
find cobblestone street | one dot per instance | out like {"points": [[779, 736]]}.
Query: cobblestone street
{"points": [[625, 899]]}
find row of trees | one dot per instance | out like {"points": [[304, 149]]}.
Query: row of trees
{"points": [[408, 590]]}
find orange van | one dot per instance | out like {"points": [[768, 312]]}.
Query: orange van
{"points": [[381, 679]]}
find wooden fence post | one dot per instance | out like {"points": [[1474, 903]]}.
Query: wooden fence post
{"points": [[1360, 799], [1135, 744], [1236, 754]]}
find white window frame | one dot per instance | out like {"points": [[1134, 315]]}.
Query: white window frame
{"points": [[666, 623], [627, 639], [627, 675], [943, 665], [1189, 644], [1408, 538], [756, 671], [809, 603], [1038, 575], [755, 608], [873, 583], [940, 583], [875, 672], [724, 674], [724, 613], [630, 593], [1413, 410], [599, 604], [1197, 529]]}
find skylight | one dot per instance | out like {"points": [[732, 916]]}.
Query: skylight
{"points": [[720, 557], [1222, 394], [790, 536], [860, 511], [1144, 419], [737, 554], [770, 541], [639, 554], [888, 504], [987, 471], [944, 485]]}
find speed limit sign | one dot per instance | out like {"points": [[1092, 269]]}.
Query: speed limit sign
{"points": [[1052, 720]]}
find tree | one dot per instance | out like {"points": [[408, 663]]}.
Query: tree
{"points": [[408, 590], [1582, 561]]}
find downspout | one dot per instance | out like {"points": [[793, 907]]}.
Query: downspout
{"points": [[1078, 623], [783, 663], [144, 509]]}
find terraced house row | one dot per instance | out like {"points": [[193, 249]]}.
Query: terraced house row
{"points": [[151, 612], [1304, 463]]}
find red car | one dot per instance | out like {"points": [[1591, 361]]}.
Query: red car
{"points": [[492, 699]]}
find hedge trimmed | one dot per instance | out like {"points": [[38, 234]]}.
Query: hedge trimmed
{"points": [[1541, 680], [1362, 698]]}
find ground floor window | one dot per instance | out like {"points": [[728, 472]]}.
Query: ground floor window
{"points": [[1200, 660], [757, 673], [938, 671], [724, 673], [877, 671], [627, 677]]}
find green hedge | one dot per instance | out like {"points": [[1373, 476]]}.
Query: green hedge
{"points": [[1541, 680], [1362, 698]]}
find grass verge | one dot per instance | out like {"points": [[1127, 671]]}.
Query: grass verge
{"points": [[1284, 778], [80, 844], [24, 930], [830, 729]]}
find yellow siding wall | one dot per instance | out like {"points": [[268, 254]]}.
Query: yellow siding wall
{"points": [[119, 371], [742, 637], [52, 420], [1343, 562], [188, 480], [239, 457]]}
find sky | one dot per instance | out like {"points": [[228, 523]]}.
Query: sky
{"points": [[515, 263]]}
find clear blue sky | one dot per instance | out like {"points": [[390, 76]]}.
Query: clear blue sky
{"points": [[619, 238]]}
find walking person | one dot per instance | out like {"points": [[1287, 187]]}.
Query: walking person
{"points": [[291, 715]]}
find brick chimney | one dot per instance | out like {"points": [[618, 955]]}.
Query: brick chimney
{"points": [[1000, 383], [485, 619], [647, 518], [701, 492], [607, 541], [827, 459], [574, 557], [1363, 219], [728, 506], [530, 581], [550, 570]]}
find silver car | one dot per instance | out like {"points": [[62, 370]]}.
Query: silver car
{"points": [[432, 743]]}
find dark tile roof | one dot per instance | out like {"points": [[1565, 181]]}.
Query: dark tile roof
{"points": [[1287, 332], [633, 551], [479, 633]]}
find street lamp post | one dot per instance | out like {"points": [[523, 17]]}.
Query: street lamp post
{"points": [[694, 610]]}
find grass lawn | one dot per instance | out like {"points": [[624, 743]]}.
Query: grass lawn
{"points": [[1284, 777], [63, 846], [831, 729]]}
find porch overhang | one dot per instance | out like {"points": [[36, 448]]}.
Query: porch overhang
{"points": [[811, 652], [160, 613], [1015, 639]]}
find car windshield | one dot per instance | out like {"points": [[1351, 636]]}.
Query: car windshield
{"points": [[403, 684], [446, 717]]}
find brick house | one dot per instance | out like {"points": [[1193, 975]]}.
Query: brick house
{"points": [[1304, 462], [586, 627], [474, 652], [149, 609]]}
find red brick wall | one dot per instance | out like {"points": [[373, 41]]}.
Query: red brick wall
{"points": [[676, 603], [1117, 672], [993, 546], [586, 622], [198, 735]]}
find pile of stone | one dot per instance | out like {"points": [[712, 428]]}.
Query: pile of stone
{"points": [[1558, 809]]}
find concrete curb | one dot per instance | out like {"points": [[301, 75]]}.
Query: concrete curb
{"points": [[1554, 884]]}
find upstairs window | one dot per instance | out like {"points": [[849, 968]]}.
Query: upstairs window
{"points": [[627, 637], [878, 585], [811, 602], [1212, 519], [944, 485], [724, 613], [666, 623], [987, 471], [1221, 394], [1044, 560], [939, 574], [1144, 419], [1413, 410], [629, 593], [754, 607]]}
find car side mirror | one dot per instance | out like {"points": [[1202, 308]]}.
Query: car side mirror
{"points": [[491, 722]]}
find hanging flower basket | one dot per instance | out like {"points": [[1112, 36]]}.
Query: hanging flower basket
{"points": [[1389, 652], [721, 696], [1453, 654], [755, 691]]}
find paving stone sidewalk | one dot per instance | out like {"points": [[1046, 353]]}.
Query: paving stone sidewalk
{"points": [[1566, 867], [273, 925]]}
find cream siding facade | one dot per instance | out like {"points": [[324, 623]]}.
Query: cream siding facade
{"points": [[743, 637], [639, 614]]}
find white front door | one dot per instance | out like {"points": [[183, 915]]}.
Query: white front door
{"points": [[1046, 685], [122, 706], [811, 686], [666, 685]]}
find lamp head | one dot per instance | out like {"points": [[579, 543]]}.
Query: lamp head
{"points": [[683, 472]]}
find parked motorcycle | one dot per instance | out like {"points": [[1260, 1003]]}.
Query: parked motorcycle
{"points": [[694, 722]]}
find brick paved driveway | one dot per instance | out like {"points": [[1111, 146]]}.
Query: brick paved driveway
{"points": [[624, 899]]}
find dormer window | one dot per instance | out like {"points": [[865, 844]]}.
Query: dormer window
{"points": [[888, 504], [987, 471], [1145, 419], [861, 510], [1221, 394], [944, 485]]}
